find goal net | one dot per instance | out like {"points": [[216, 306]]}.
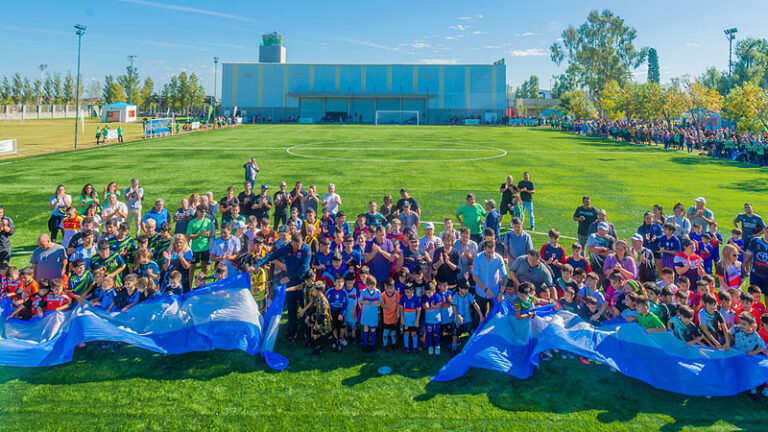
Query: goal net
{"points": [[8, 147], [397, 118]]}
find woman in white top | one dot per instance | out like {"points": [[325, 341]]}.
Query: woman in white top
{"points": [[58, 206]]}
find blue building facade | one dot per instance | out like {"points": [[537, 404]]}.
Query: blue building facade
{"points": [[354, 93]]}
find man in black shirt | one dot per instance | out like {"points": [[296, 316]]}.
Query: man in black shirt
{"points": [[246, 198], [262, 203], [527, 190], [405, 196], [282, 208], [585, 215], [507, 189], [296, 196]]}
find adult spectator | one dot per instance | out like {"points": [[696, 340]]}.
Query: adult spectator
{"points": [[87, 196], [585, 215], [646, 264], [282, 206], [58, 204], [379, 255], [651, 232], [246, 198], [179, 257], [700, 213], [507, 190], [49, 260], [251, 168], [183, 215], [430, 242], [133, 196], [492, 218], [6, 231], [489, 272], [158, 213], [517, 242], [602, 216], [388, 208], [445, 262], [530, 268], [332, 200], [467, 249], [729, 269], [225, 249], [756, 260], [311, 200], [448, 228], [296, 255], [406, 197], [470, 215], [262, 203], [599, 246], [527, 190], [688, 263], [114, 210], [752, 225], [296, 197], [620, 260], [374, 219], [226, 203], [682, 224], [408, 218], [490, 237], [110, 189]]}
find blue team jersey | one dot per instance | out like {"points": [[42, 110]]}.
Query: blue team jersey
{"points": [[353, 259], [79, 284], [410, 306], [369, 314], [320, 258], [106, 298], [337, 299], [135, 297], [350, 317], [331, 271], [85, 254], [446, 308], [143, 270], [463, 307], [432, 305]]}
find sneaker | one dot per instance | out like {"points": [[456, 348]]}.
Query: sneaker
{"points": [[431, 350], [437, 350], [343, 342], [583, 360], [406, 350]]}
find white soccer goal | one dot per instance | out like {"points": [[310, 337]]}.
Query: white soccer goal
{"points": [[8, 147], [384, 117]]}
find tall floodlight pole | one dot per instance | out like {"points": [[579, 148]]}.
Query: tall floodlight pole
{"points": [[730, 34], [80, 30], [215, 66], [42, 67], [131, 59]]}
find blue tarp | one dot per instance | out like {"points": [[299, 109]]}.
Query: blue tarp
{"points": [[221, 315], [512, 346]]}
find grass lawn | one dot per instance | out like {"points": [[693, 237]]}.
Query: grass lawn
{"points": [[136, 390]]}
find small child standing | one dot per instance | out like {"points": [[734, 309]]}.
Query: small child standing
{"points": [[350, 312], [104, 295], [337, 300], [446, 310], [565, 280], [667, 279], [461, 303], [746, 339], [369, 301], [758, 308], [432, 302], [319, 317], [57, 300], [725, 309], [737, 241], [410, 314], [390, 306]]}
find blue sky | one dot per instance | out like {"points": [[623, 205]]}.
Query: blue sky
{"points": [[171, 36]]}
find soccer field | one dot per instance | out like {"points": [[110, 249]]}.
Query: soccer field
{"points": [[136, 390]]}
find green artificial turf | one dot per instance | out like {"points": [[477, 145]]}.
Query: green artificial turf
{"points": [[136, 390]]}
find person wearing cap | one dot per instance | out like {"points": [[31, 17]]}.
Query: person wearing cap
{"points": [[492, 218], [507, 190], [470, 215], [602, 216], [332, 200], [408, 218], [599, 246], [133, 196], [430, 241], [405, 197], [644, 261], [700, 213], [158, 213], [752, 224], [262, 203], [585, 215]]}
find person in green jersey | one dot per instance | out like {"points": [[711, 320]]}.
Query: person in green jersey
{"points": [[647, 319], [80, 280], [199, 231], [110, 261], [98, 135], [470, 215], [523, 303], [120, 133]]}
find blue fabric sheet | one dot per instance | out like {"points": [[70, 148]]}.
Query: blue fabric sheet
{"points": [[221, 315], [510, 346]]}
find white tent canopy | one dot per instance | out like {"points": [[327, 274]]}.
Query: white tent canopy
{"points": [[118, 112]]}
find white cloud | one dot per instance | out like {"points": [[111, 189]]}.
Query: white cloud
{"points": [[493, 47], [691, 44], [420, 45], [367, 43], [459, 27], [439, 61], [526, 34], [478, 32], [189, 9], [464, 18], [478, 16], [530, 52]]}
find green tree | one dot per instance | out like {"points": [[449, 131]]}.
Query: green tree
{"points": [[94, 91], [68, 89], [56, 95], [612, 101], [751, 63], [114, 92], [713, 79], [674, 102], [653, 66], [28, 91], [748, 105], [131, 84], [701, 99], [599, 51], [147, 94], [529, 89], [17, 89], [564, 83], [5, 91], [577, 104]]}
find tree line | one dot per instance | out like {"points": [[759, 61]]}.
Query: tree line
{"points": [[182, 93]]}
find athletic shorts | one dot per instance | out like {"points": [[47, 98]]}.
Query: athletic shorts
{"points": [[407, 329], [203, 256], [447, 328], [504, 207], [336, 323], [657, 255], [392, 327], [460, 329]]}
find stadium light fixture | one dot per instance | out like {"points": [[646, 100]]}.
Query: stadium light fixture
{"points": [[131, 59], [79, 31], [730, 34]]}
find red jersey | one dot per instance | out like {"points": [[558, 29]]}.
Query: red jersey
{"points": [[390, 307], [763, 333], [54, 301], [758, 309], [10, 287], [30, 289]]}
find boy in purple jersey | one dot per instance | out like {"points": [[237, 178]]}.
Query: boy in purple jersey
{"points": [[410, 313], [432, 303], [669, 246], [337, 300]]}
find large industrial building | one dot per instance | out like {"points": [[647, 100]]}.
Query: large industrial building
{"points": [[278, 91]]}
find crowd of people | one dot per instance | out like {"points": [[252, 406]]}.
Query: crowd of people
{"points": [[722, 143], [373, 280]]}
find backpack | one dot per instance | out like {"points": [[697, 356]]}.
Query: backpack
{"points": [[646, 268]]}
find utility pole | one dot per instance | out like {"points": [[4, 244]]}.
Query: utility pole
{"points": [[131, 59], [730, 34], [42, 68], [80, 30], [215, 66]]}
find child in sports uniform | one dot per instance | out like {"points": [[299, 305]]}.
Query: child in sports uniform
{"points": [[350, 312], [432, 302], [461, 303], [446, 310], [369, 301], [410, 311], [33, 305], [390, 304], [104, 295], [337, 300]]}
